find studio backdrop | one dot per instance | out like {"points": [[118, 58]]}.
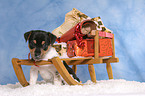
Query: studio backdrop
{"points": [[124, 17]]}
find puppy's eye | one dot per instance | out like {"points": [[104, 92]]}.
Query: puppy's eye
{"points": [[34, 41], [31, 45], [45, 46]]}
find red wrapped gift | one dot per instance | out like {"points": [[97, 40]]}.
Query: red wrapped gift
{"points": [[74, 50], [78, 31], [105, 34], [105, 48]]}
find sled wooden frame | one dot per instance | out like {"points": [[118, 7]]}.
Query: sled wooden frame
{"points": [[70, 61]]}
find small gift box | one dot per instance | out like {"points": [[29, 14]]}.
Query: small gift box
{"points": [[105, 34], [74, 50], [105, 47]]}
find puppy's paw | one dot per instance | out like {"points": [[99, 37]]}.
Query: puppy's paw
{"points": [[31, 82], [58, 82]]}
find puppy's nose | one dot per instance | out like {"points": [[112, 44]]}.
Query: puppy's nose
{"points": [[37, 53]]}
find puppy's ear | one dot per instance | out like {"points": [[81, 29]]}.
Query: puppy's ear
{"points": [[27, 35], [52, 38]]}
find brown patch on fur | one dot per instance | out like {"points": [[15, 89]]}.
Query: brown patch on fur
{"points": [[32, 51], [43, 52], [43, 42], [34, 41]]}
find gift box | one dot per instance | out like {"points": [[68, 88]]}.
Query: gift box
{"points": [[102, 34], [74, 50], [105, 34], [105, 48]]}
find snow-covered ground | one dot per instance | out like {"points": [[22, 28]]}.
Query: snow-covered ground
{"points": [[104, 87]]}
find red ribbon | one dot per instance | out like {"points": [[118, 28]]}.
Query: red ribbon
{"points": [[79, 36], [33, 61], [35, 64], [58, 40]]}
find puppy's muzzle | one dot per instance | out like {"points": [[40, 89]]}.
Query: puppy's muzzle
{"points": [[37, 55]]}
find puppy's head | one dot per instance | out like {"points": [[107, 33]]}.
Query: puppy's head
{"points": [[39, 43]]}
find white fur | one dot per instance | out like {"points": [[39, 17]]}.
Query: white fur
{"points": [[47, 72]]}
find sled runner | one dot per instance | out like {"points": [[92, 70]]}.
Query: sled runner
{"points": [[95, 59]]}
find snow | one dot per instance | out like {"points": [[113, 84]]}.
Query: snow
{"points": [[114, 87], [124, 17]]}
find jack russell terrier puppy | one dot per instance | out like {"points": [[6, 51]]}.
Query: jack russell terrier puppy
{"points": [[40, 45]]}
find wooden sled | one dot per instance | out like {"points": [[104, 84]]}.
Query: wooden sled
{"points": [[70, 61]]}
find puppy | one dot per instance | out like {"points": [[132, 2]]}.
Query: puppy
{"points": [[40, 45]]}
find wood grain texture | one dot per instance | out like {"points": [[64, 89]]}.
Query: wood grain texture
{"points": [[92, 72], [19, 73], [63, 71]]}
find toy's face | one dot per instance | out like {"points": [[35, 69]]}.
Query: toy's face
{"points": [[87, 27], [39, 43]]}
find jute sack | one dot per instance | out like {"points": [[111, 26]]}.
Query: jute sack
{"points": [[75, 16]]}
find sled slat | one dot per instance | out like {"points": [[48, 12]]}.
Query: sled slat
{"points": [[30, 62], [63, 71], [70, 61], [111, 60], [84, 61], [19, 73]]}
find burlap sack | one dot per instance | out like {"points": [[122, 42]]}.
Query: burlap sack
{"points": [[75, 16]]}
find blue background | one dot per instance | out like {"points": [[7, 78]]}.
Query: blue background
{"points": [[125, 17]]}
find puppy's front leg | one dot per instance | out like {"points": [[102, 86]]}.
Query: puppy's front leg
{"points": [[33, 75], [57, 78], [46, 73]]}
